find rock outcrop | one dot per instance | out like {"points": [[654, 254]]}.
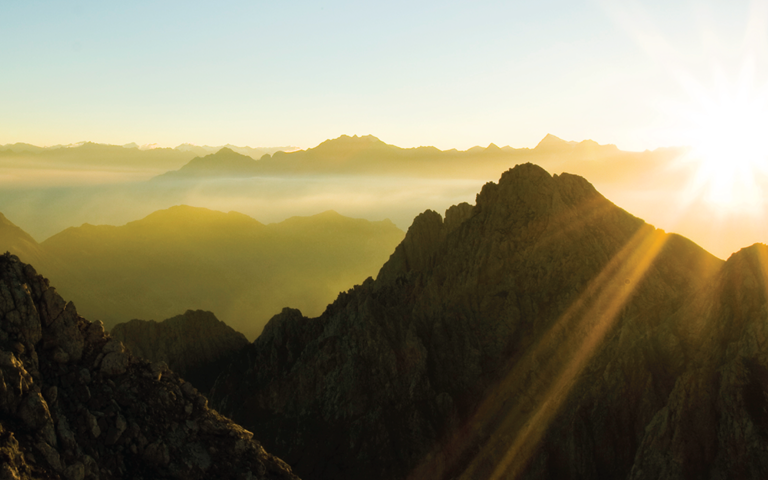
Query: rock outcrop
{"points": [[196, 345], [496, 342], [75, 404]]}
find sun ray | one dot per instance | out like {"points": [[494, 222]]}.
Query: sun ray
{"points": [[528, 398], [615, 286], [717, 104]]}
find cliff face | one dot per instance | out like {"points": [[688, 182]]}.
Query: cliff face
{"points": [[713, 423], [196, 345], [492, 343], [75, 403], [678, 391]]}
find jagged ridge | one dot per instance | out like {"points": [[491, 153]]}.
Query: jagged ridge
{"points": [[458, 341], [74, 402]]}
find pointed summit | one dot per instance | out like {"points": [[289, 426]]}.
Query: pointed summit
{"points": [[460, 315], [551, 142], [224, 163], [228, 151]]}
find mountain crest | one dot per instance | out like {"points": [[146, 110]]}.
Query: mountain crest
{"points": [[345, 144], [551, 142]]}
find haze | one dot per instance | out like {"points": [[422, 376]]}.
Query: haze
{"points": [[451, 75], [680, 89]]}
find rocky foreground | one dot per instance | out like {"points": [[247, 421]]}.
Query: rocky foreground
{"points": [[75, 404], [542, 333]]}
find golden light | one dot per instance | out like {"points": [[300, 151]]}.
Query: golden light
{"points": [[592, 316], [725, 124], [517, 413]]}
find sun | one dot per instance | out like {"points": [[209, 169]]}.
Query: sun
{"points": [[727, 128]]}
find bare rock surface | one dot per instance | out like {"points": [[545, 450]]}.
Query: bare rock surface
{"points": [[196, 345], [75, 404], [541, 333]]}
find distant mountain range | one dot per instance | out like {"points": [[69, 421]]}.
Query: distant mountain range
{"points": [[255, 152], [194, 258], [89, 155], [359, 176], [345, 155], [367, 155]]}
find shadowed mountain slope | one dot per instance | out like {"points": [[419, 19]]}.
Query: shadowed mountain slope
{"points": [[482, 346], [193, 258], [16, 240], [196, 345], [74, 404]]}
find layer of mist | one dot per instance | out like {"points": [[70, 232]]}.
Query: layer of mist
{"points": [[360, 177], [194, 258]]}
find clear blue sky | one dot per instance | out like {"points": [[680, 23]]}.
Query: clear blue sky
{"points": [[449, 74]]}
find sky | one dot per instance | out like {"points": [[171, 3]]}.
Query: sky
{"points": [[452, 74]]}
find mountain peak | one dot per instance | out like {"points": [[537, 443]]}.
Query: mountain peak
{"points": [[551, 142], [224, 163], [189, 216], [346, 143], [228, 151]]}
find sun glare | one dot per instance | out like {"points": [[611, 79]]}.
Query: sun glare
{"points": [[727, 132]]}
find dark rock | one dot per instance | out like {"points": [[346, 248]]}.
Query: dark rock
{"points": [[50, 455], [533, 335], [195, 345], [115, 363], [76, 471], [102, 412]]}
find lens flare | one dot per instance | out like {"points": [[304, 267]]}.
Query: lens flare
{"points": [[726, 127]]}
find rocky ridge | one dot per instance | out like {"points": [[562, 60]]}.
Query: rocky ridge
{"points": [[75, 404], [196, 345], [497, 329]]}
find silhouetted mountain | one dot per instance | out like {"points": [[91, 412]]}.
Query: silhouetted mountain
{"points": [[196, 345], [367, 155], [553, 143], [224, 163], [193, 258], [512, 338], [586, 149], [97, 156], [355, 155], [14, 239], [20, 148], [74, 404], [255, 153]]}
